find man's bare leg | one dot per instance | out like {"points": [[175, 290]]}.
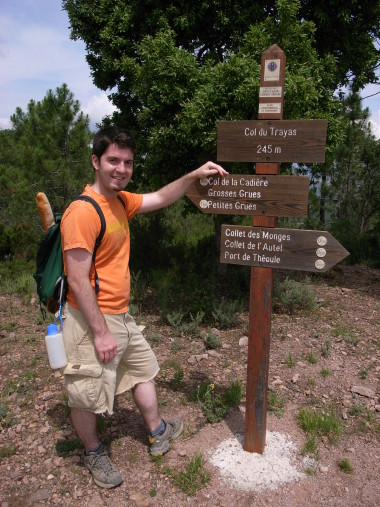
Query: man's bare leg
{"points": [[103, 471], [145, 397], [84, 423], [161, 433]]}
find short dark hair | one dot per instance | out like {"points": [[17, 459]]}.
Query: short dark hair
{"points": [[112, 135]]}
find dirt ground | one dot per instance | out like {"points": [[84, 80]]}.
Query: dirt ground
{"points": [[329, 358]]}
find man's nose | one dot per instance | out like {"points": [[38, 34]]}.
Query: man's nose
{"points": [[122, 167]]}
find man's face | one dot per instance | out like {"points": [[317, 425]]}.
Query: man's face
{"points": [[113, 170]]}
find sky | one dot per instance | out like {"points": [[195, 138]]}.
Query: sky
{"points": [[37, 54]]}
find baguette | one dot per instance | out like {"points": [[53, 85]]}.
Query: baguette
{"points": [[46, 213]]}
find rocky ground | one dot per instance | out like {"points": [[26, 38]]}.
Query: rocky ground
{"points": [[326, 359]]}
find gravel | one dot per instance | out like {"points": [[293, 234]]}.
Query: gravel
{"points": [[255, 472]]}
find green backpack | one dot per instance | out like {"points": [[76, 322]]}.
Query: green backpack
{"points": [[49, 267], [50, 275]]}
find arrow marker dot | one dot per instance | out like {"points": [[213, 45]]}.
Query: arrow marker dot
{"points": [[321, 240], [203, 204], [203, 182], [321, 252], [319, 264]]}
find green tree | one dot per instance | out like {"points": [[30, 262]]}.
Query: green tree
{"points": [[356, 176], [52, 140], [348, 30], [211, 29], [172, 99], [46, 150], [176, 68]]}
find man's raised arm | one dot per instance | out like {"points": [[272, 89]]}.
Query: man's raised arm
{"points": [[176, 189]]}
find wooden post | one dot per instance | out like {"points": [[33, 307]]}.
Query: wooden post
{"points": [[260, 309]]}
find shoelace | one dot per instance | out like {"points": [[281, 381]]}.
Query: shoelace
{"points": [[106, 464]]}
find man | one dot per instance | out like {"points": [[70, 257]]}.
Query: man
{"points": [[106, 352]]}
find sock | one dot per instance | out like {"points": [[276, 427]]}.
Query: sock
{"points": [[159, 431], [93, 450]]}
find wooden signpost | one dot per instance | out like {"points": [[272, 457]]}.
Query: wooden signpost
{"points": [[272, 141], [266, 195], [297, 249], [252, 195]]}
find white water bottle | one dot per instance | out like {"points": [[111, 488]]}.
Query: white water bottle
{"points": [[55, 347]]}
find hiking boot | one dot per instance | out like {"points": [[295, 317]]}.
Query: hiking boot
{"points": [[103, 471], [159, 444]]}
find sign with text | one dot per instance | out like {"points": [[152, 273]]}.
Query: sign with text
{"points": [[272, 141], [279, 196], [270, 91], [301, 250]]}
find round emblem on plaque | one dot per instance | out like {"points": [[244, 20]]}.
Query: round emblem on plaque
{"points": [[319, 264], [203, 204], [272, 66], [321, 240], [203, 182], [321, 252]]}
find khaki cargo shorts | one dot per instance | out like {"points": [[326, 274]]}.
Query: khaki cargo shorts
{"points": [[92, 385]]}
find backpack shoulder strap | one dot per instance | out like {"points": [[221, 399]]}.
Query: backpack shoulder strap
{"points": [[101, 217], [121, 200], [98, 240], [89, 199], [100, 235]]}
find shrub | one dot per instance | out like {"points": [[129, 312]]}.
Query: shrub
{"points": [[189, 328], [7, 451], [363, 247], [174, 319], [214, 407], [194, 477], [345, 466], [5, 247], [276, 403], [23, 241], [66, 446], [6, 419], [192, 328], [226, 313], [291, 297], [324, 423], [215, 404], [176, 381], [233, 394], [212, 341], [289, 360], [16, 277]]}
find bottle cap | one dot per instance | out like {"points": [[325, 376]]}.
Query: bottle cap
{"points": [[52, 329]]}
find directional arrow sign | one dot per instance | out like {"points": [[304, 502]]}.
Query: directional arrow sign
{"points": [[297, 249], [272, 141], [278, 196]]}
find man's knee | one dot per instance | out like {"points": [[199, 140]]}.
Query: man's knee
{"points": [[150, 384]]}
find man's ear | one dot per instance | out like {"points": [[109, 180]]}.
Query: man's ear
{"points": [[95, 162]]}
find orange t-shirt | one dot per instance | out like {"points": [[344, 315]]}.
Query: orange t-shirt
{"points": [[80, 226]]}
